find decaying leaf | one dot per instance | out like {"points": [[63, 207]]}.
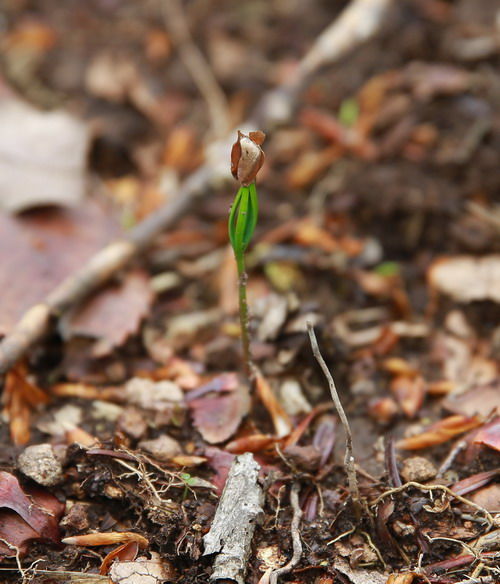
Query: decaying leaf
{"points": [[489, 435], [467, 278], [142, 571], [440, 432], [480, 400], [281, 421], [97, 539], [102, 316], [42, 157], [26, 515], [409, 393], [49, 244], [217, 417]]}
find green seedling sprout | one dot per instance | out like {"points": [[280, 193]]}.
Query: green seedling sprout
{"points": [[246, 160]]}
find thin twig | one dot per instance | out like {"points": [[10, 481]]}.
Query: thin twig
{"points": [[431, 488], [349, 462], [197, 65], [296, 541]]}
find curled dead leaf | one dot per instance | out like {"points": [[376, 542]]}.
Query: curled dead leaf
{"points": [[96, 539], [440, 432]]}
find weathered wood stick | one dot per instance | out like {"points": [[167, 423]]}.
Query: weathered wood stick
{"points": [[239, 510]]}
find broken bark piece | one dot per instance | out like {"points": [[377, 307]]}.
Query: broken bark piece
{"points": [[239, 509]]}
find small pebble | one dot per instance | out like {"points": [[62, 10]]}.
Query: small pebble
{"points": [[38, 462]]}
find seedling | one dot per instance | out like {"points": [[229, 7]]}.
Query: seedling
{"points": [[247, 159]]}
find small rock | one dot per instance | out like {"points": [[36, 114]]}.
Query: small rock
{"points": [[162, 448], [38, 462], [418, 469], [76, 519]]}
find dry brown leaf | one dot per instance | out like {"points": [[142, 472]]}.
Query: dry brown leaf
{"points": [[42, 157], [281, 421], [49, 244], [409, 393], [112, 537], [480, 400], [125, 552], [467, 278], [440, 432], [26, 515], [252, 443], [217, 417], [489, 435], [102, 316]]}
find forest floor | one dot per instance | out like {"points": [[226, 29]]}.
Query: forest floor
{"points": [[379, 224]]}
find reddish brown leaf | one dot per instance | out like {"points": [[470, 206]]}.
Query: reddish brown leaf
{"points": [[217, 417], [409, 393], [440, 432], [49, 244], [26, 515], [474, 482], [480, 400], [125, 552], [489, 435], [253, 443], [220, 461], [281, 421], [102, 316]]}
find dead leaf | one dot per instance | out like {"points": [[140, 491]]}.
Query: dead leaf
{"points": [[357, 575], [26, 515], [488, 498], [125, 552], [409, 393], [474, 482], [467, 278], [49, 244], [481, 400], [42, 157], [252, 443], [96, 539], [102, 316], [19, 398], [142, 571], [440, 432], [489, 435], [217, 417], [281, 421]]}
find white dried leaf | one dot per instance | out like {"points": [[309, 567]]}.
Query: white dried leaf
{"points": [[42, 157], [467, 278]]}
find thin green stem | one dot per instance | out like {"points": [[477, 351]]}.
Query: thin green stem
{"points": [[245, 337]]}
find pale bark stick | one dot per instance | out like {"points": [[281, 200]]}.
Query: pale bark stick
{"points": [[238, 511]]}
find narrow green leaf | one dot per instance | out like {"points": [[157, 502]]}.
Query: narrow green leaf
{"points": [[243, 218]]}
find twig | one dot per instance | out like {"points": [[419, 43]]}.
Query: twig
{"points": [[448, 461], [275, 106], [349, 462], [239, 509], [296, 541], [357, 23], [196, 64], [431, 488]]}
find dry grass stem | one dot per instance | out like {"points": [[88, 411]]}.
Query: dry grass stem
{"points": [[349, 462]]}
